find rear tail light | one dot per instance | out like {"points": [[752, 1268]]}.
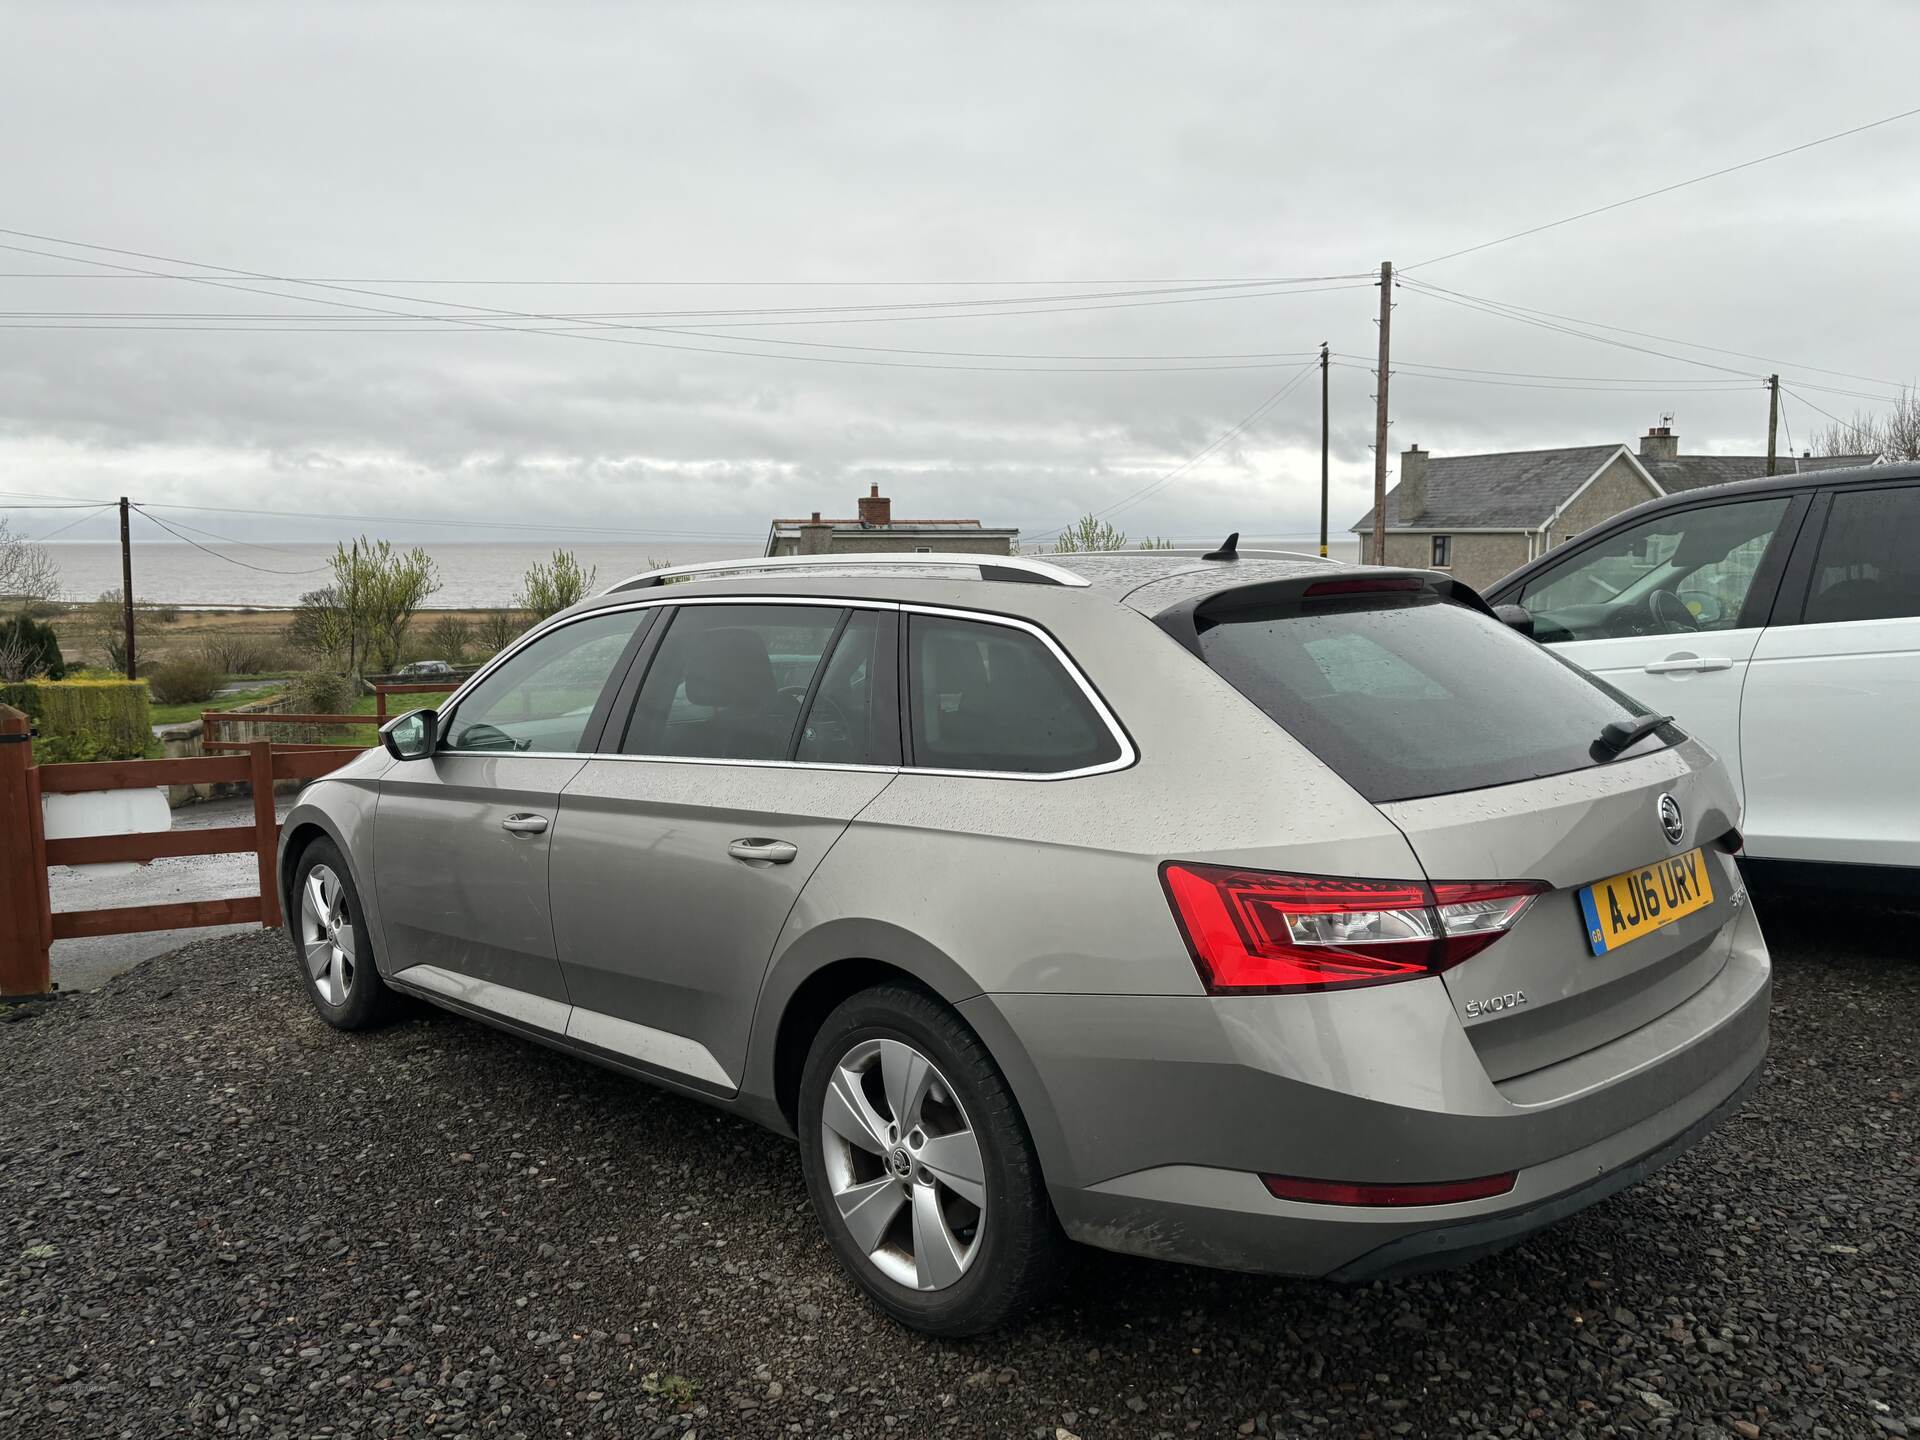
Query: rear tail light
{"points": [[1256, 930], [1346, 1192]]}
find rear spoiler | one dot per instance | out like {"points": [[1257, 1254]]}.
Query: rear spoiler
{"points": [[1189, 619]]}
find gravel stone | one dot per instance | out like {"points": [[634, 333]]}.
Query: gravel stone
{"points": [[219, 1217]]}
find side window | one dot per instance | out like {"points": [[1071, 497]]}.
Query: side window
{"points": [[854, 718], [728, 681], [542, 698], [990, 697], [1682, 571], [1867, 569]]}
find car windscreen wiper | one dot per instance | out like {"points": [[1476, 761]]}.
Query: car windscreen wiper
{"points": [[1617, 735]]}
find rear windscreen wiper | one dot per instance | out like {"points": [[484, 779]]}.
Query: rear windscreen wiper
{"points": [[1617, 735]]}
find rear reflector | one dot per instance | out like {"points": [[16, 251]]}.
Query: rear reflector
{"points": [[1344, 1192], [1257, 931]]}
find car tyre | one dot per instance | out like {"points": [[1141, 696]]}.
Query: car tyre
{"points": [[331, 945], [898, 1203]]}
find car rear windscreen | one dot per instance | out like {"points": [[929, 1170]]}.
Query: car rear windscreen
{"points": [[1406, 696]]}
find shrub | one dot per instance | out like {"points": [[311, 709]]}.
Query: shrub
{"points": [[29, 650], [183, 678], [84, 719], [235, 652], [320, 692], [450, 638]]}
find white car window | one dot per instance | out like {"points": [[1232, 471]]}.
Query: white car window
{"points": [[1684, 570], [1867, 569]]}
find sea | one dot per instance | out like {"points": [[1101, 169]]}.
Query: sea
{"points": [[474, 575]]}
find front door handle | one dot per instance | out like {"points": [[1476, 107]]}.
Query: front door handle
{"points": [[1687, 664], [524, 824], [763, 852]]}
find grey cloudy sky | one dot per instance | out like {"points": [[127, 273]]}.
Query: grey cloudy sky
{"points": [[396, 145]]}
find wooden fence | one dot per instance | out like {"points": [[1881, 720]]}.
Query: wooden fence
{"points": [[28, 922]]}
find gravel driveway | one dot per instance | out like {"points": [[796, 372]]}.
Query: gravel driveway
{"points": [[219, 1217]]}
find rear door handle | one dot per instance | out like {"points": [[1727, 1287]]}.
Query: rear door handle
{"points": [[1689, 665], [759, 851], [524, 824]]}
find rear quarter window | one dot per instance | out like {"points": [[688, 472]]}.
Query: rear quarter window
{"points": [[1407, 697]]}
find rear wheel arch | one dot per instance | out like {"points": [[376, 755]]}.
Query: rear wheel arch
{"points": [[811, 1002], [803, 990]]}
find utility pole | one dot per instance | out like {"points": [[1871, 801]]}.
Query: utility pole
{"points": [[126, 584], [353, 617], [1773, 418], [1379, 556], [1323, 449]]}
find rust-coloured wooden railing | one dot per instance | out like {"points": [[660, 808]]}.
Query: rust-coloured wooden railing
{"points": [[28, 922]]}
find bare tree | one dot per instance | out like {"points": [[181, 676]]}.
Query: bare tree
{"points": [[1888, 435], [27, 571]]}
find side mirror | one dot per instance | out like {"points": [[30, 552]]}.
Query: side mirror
{"points": [[1515, 617], [410, 736]]}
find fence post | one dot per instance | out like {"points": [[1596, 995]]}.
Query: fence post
{"points": [[24, 961], [380, 704], [209, 732], [266, 834]]}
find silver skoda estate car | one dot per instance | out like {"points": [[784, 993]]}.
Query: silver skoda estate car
{"points": [[1249, 911]]}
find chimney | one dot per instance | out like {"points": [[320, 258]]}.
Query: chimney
{"points": [[1413, 484], [875, 508], [1659, 443], [816, 536]]}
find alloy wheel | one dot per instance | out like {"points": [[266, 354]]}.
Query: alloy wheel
{"points": [[326, 934], [903, 1164]]}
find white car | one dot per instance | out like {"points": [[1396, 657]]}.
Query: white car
{"points": [[1777, 620]]}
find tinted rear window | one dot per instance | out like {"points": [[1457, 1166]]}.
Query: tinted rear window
{"points": [[1416, 697]]}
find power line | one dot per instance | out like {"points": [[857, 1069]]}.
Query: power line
{"points": [[92, 510], [208, 550], [1698, 387], [591, 529], [1493, 308], [1428, 285], [1858, 433], [594, 333], [230, 540], [1666, 189], [1529, 374], [685, 284]]}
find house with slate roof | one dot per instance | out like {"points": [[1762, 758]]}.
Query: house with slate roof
{"points": [[1480, 516], [874, 528]]}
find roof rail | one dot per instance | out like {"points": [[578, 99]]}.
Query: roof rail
{"points": [[991, 567]]}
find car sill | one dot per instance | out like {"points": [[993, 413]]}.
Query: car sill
{"points": [[661, 1050]]}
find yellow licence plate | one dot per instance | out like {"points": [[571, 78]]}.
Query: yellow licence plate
{"points": [[1624, 907]]}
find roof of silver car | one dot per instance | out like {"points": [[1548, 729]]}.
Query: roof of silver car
{"points": [[1116, 572]]}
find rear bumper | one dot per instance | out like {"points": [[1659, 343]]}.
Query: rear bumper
{"points": [[1448, 1245], [1155, 1116]]}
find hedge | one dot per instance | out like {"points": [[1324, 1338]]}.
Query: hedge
{"points": [[84, 719]]}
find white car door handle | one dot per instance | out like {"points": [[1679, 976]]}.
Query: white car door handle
{"points": [[1689, 665], [763, 852], [524, 824]]}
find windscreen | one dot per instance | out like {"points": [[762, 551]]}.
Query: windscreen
{"points": [[1412, 696]]}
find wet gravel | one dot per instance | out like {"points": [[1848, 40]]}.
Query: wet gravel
{"points": [[218, 1217]]}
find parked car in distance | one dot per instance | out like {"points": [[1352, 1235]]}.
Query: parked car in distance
{"points": [[424, 669], [1778, 620], [1255, 912]]}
